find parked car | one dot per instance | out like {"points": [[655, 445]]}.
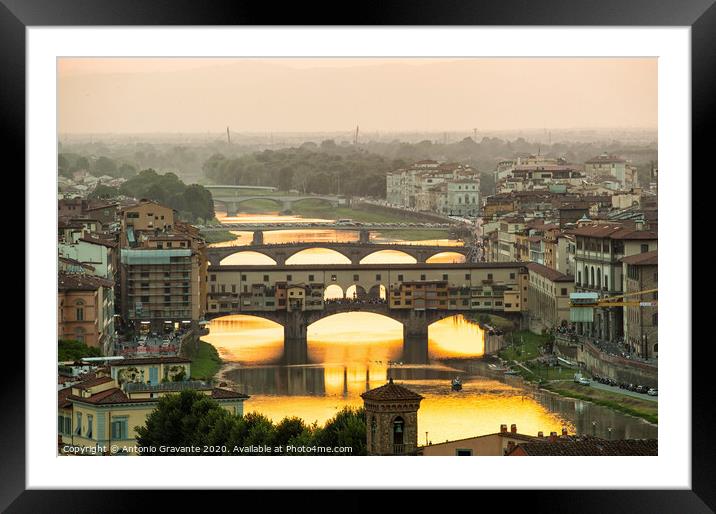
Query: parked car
{"points": [[652, 392], [584, 381]]}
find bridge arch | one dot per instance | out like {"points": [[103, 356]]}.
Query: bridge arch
{"points": [[240, 256], [318, 255], [446, 257], [389, 256]]}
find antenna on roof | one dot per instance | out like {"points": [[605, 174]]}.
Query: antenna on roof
{"points": [[228, 135]]}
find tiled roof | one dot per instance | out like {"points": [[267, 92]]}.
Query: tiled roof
{"points": [[591, 446], [225, 394], [148, 360], [114, 395], [97, 241], [549, 273], [391, 391], [79, 281], [613, 231], [643, 259], [93, 381], [62, 395]]}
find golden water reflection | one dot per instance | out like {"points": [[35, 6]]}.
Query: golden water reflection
{"points": [[352, 352]]}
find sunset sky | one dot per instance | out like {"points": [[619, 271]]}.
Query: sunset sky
{"points": [[118, 95]]}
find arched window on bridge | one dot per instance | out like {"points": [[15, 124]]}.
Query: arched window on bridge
{"points": [[333, 292], [446, 257], [388, 257]]}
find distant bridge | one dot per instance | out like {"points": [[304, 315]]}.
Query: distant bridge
{"points": [[292, 225], [356, 251], [232, 196], [294, 296]]}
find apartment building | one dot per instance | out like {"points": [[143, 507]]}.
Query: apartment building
{"points": [[641, 326]]}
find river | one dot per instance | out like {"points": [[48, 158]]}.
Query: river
{"points": [[351, 352]]}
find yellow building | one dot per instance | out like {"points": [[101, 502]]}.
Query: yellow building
{"points": [[104, 409], [497, 444]]}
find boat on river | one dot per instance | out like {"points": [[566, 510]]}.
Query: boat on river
{"points": [[456, 384]]}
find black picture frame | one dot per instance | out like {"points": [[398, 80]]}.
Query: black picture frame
{"points": [[700, 15]]}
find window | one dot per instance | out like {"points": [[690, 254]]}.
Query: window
{"points": [[289, 277], [512, 276], [467, 276], [90, 419], [213, 278], [400, 278], [373, 432], [266, 278], [119, 429], [644, 248], [563, 291], [80, 311], [377, 276], [243, 277], [655, 319], [355, 278], [333, 278], [445, 277], [78, 423], [311, 278], [60, 424], [489, 276], [463, 452], [422, 277]]}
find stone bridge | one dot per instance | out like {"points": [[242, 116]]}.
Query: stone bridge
{"points": [[415, 325], [355, 252]]}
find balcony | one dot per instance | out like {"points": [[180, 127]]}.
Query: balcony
{"points": [[403, 449]]}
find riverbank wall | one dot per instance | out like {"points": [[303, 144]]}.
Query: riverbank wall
{"points": [[615, 367]]}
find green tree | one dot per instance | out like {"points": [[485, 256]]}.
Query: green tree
{"points": [[181, 419], [72, 350]]}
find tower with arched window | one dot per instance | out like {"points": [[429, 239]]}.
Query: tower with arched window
{"points": [[391, 413]]}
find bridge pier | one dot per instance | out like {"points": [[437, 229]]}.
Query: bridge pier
{"points": [[415, 338], [232, 209], [295, 338], [258, 237], [364, 236]]}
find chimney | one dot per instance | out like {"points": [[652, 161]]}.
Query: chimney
{"points": [[540, 434], [503, 428], [513, 428], [564, 431], [552, 437]]}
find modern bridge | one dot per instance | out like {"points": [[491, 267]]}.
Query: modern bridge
{"points": [[232, 196], [415, 295]]}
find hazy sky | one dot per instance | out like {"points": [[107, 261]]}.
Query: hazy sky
{"points": [[322, 95]]}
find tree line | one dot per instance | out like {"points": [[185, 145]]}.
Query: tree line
{"points": [[193, 202], [191, 418]]}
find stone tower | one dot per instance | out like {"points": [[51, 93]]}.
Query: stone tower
{"points": [[391, 413]]}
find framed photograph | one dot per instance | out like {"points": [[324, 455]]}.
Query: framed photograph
{"points": [[317, 248]]}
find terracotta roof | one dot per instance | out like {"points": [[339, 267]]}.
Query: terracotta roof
{"points": [[97, 241], [225, 394], [613, 231], [391, 391], [591, 446], [148, 360], [114, 395], [62, 395], [91, 382], [79, 281], [643, 259], [549, 273]]}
